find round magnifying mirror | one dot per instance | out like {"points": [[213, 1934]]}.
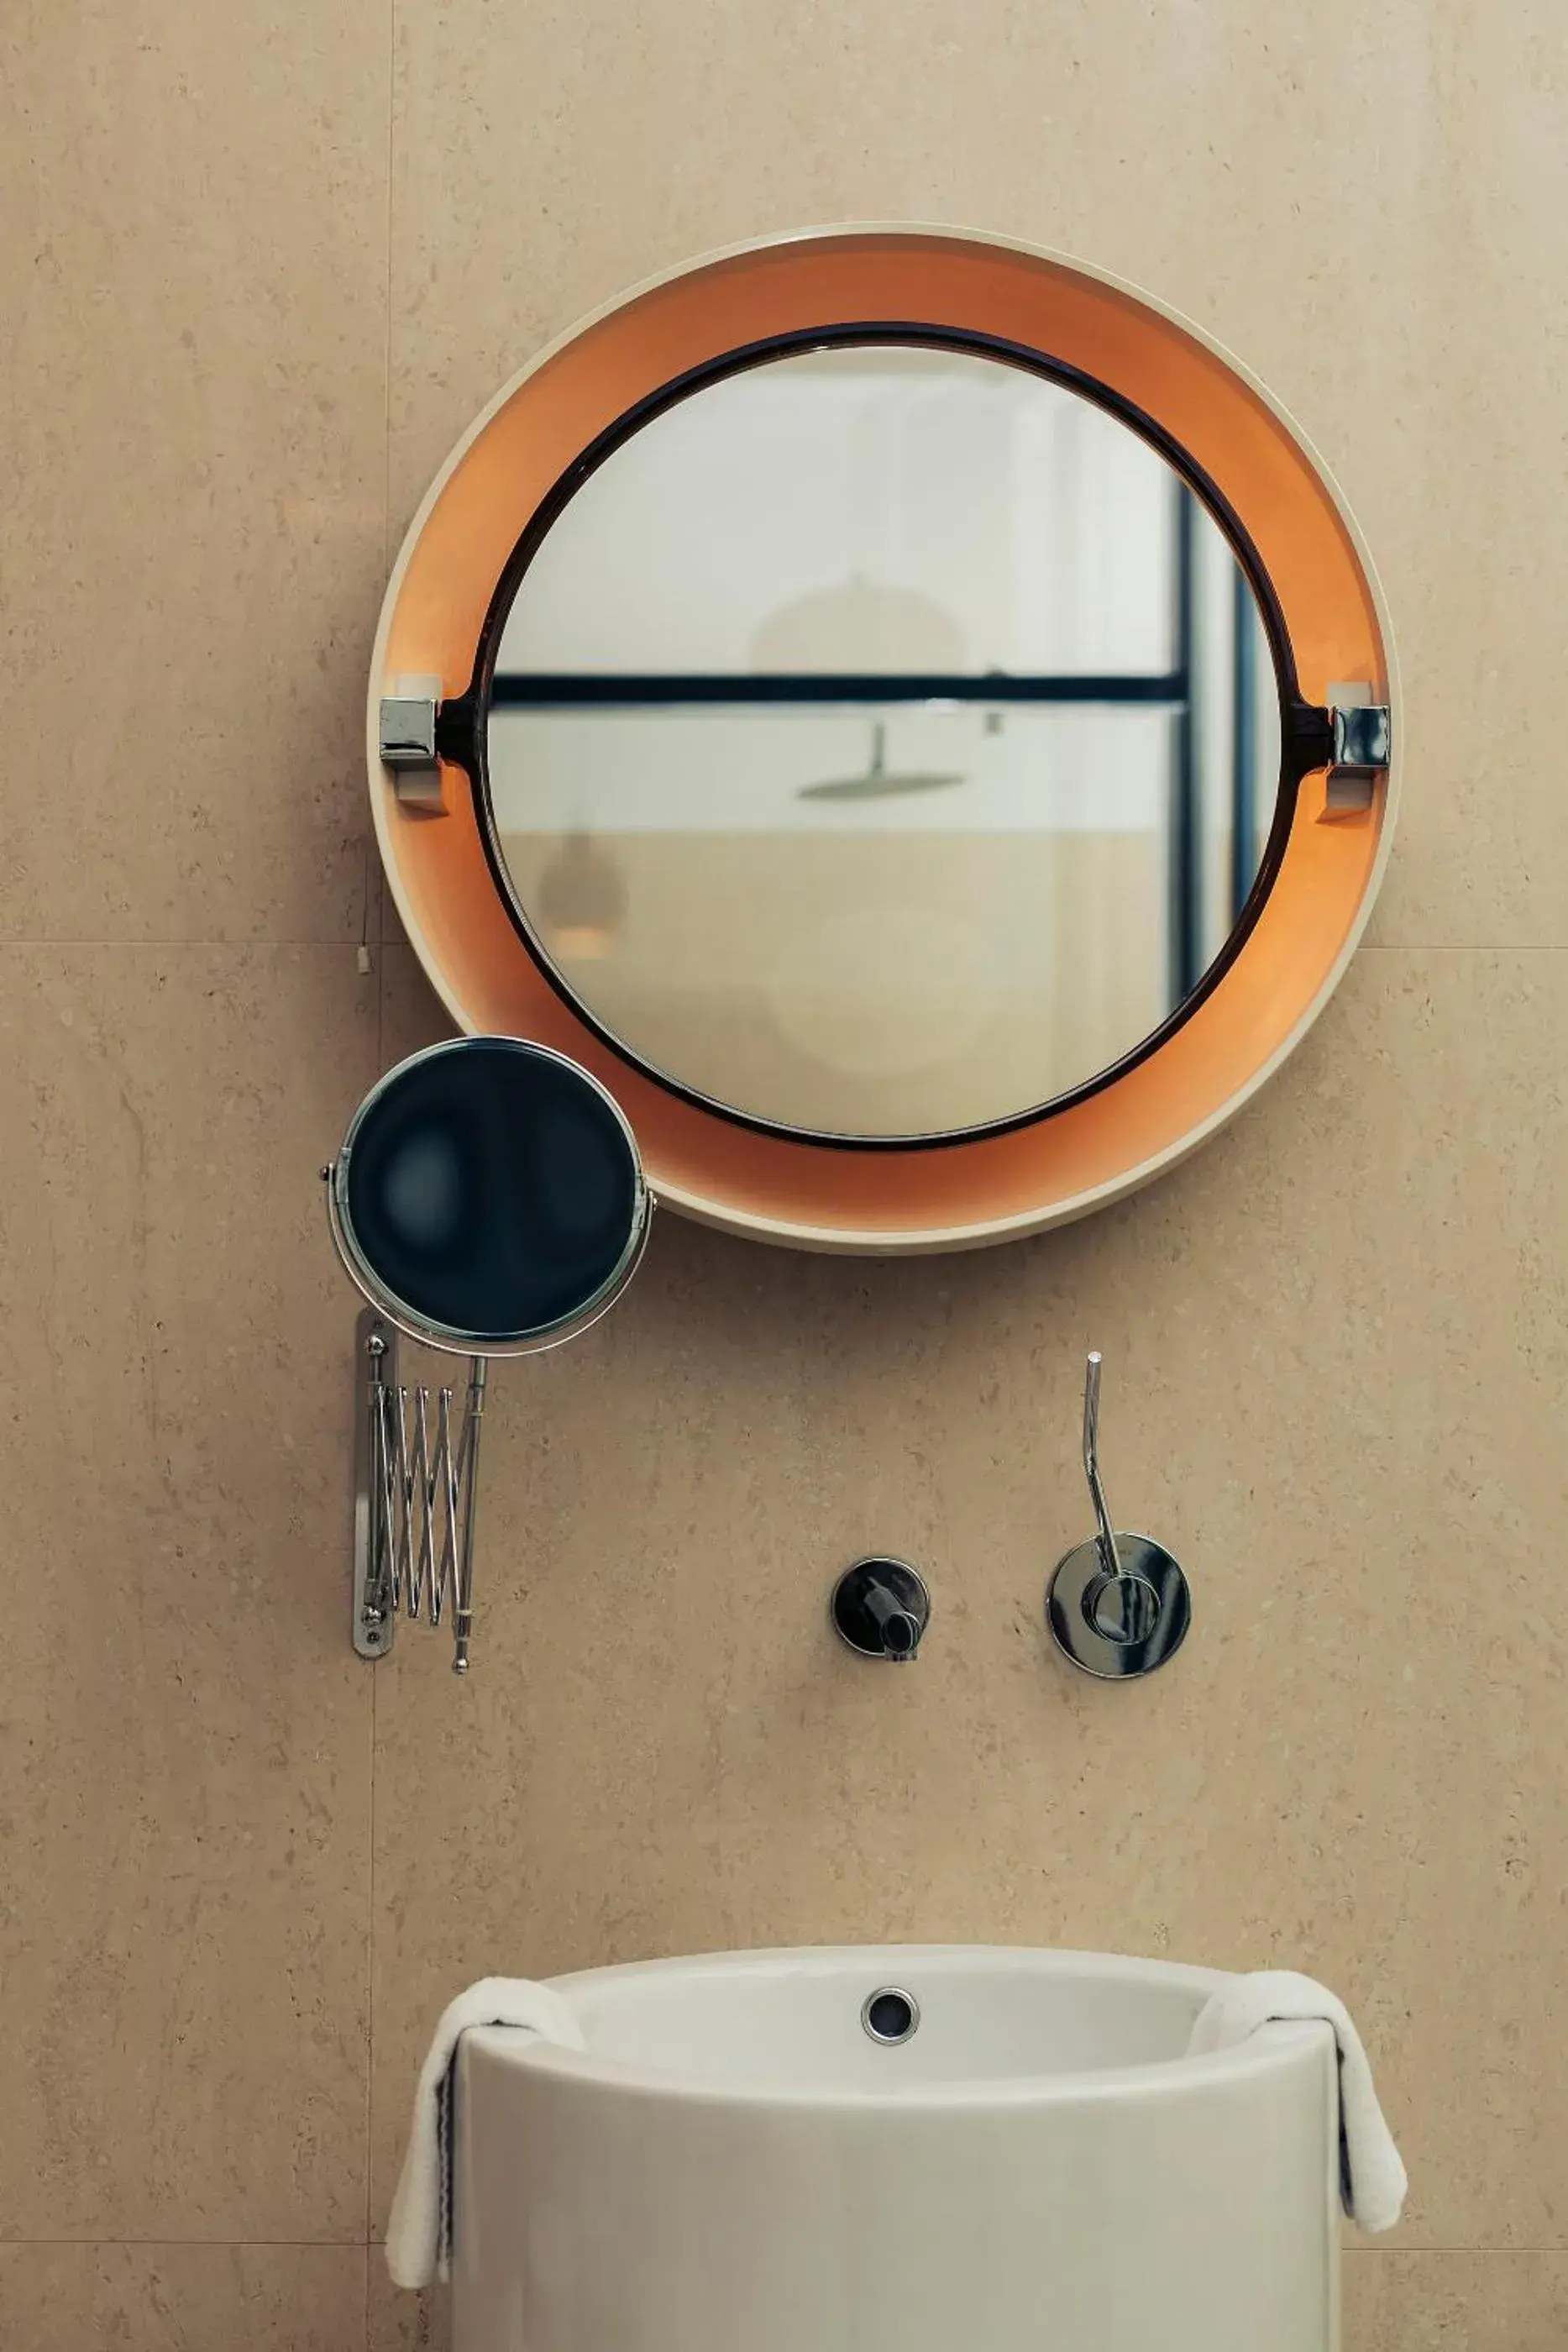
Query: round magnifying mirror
{"points": [[488, 1198], [882, 741]]}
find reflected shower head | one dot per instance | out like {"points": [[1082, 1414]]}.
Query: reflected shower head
{"points": [[879, 781]]}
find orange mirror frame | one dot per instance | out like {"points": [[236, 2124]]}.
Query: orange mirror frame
{"points": [[1066, 1163]]}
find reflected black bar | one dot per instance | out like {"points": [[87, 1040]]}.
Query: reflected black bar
{"points": [[1243, 748], [582, 690], [1187, 846]]}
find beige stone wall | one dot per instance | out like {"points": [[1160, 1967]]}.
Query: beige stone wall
{"points": [[262, 264]]}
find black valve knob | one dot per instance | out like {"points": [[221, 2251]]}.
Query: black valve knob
{"points": [[880, 1608]]}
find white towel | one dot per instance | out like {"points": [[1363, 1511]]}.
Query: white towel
{"points": [[419, 2235], [1372, 2178]]}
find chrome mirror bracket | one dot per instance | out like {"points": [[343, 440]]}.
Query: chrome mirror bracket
{"points": [[414, 1492], [373, 1623]]}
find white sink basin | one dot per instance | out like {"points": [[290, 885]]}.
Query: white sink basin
{"points": [[734, 2165]]}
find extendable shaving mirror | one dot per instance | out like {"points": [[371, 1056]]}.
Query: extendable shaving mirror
{"points": [[908, 713], [488, 1200]]}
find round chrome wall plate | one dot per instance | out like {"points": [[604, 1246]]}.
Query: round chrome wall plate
{"points": [[1118, 1628]]}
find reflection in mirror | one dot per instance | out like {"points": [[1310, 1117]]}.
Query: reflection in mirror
{"points": [[884, 742]]}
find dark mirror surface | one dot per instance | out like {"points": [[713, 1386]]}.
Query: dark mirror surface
{"points": [[492, 1190], [883, 742]]}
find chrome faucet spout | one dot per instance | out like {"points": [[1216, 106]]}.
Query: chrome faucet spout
{"points": [[901, 1629]]}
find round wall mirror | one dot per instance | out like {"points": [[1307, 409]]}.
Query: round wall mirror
{"points": [[908, 715], [882, 741]]}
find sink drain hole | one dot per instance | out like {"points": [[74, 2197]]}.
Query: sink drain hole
{"points": [[891, 2015]]}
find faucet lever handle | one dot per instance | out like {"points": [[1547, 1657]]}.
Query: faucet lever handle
{"points": [[1107, 1537]]}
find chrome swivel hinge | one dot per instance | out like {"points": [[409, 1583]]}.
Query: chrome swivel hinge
{"points": [[1361, 737], [409, 717], [1363, 747]]}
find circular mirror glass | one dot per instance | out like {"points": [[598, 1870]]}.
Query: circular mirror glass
{"points": [[884, 742], [489, 1196]]}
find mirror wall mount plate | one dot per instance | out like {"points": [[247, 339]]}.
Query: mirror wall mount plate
{"points": [[905, 712]]}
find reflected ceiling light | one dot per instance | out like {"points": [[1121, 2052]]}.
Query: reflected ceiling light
{"points": [[581, 900], [861, 624]]}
